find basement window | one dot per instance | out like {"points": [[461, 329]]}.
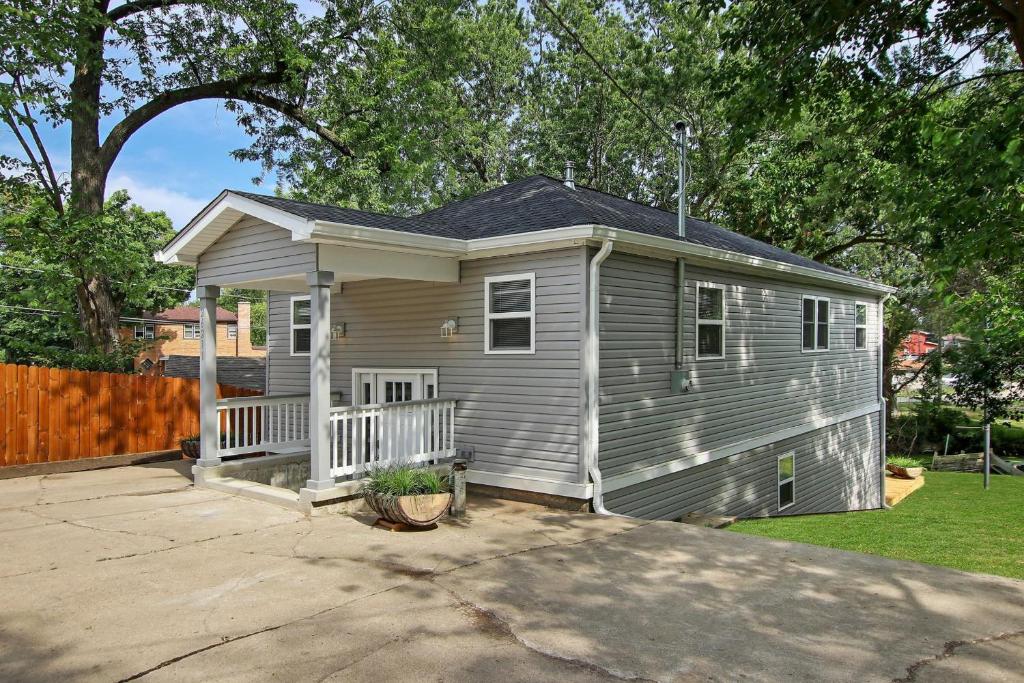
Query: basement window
{"points": [[815, 325], [710, 321], [787, 480], [509, 314], [860, 334], [301, 325]]}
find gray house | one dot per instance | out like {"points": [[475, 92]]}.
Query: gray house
{"points": [[570, 341]]}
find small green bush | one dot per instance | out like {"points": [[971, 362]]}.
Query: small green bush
{"points": [[404, 480]]}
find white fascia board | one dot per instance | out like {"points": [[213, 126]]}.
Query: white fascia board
{"points": [[231, 206], [382, 238]]}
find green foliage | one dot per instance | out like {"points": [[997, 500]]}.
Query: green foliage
{"points": [[903, 461], [951, 521], [404, 480], [44, 255], [924, 429], [230, 296]]}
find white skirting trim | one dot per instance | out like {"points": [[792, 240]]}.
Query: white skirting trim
{"points": [[621, 481], [512, 481]]}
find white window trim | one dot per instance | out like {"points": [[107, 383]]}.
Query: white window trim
{"points": [[232, 332], [292, 326], [780, 482], [192, 330], [816, 299], [358, 373], [697, 321], [149, 328], [488, 316], [867, 310]]}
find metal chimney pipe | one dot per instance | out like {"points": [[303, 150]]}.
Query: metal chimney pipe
{"points": [[570, 180], [680, 137]]}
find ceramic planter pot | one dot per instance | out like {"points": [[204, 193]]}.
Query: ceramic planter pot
{"points": [[421, 510], [190, 448], [904, 472]]}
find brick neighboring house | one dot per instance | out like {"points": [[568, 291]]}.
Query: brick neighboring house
{"points": [[175, 332]]}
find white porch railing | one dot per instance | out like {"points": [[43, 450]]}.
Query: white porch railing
{"points": [[252, 424], [409, 432]]}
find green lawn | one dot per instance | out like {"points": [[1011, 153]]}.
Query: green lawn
{"points": [[951, 521]]}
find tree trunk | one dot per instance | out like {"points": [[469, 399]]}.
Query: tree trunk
{"points": [[98, 312]]}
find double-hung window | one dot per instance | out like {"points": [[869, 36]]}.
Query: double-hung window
{"points": [[860, 334], [815, 321], [509, 314], [232, 331], [710, 321], [301, 325], [191, 330], [787, 480], [145, 332]]}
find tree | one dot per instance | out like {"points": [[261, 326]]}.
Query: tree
{"points": [[44, 256], [65, 61], [229, 298]]}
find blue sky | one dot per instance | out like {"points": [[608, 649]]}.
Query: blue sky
{"points": [[176, 163]]}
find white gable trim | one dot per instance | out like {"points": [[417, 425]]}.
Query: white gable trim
{"points": [[218, 217]]}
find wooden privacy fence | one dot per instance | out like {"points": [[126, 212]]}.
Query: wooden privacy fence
{"points": [[50, 414]]}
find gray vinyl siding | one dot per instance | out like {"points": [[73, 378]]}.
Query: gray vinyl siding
{"points": [[520, 413], [837, 469], [254, 250], [764, 384]]}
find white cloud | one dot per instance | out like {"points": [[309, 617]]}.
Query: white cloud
{"points": [[178, 206]]}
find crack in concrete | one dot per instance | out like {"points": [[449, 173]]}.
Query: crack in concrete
{"points": [[195, 542], [950, 650], [266, 629], [491, 623], [134, 494]]}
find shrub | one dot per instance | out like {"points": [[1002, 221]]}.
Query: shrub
{"points": [[903, 461], [404, 480]]}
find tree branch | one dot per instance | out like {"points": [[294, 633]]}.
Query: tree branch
{"points": [[866, 238], [241, 88], [138, 6], [54, 190]]}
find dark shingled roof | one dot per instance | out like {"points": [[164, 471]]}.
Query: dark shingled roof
{"points": [[336, 214], [541, 202]]}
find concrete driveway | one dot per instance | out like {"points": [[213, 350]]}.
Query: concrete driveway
{"points": [[130, 573]]}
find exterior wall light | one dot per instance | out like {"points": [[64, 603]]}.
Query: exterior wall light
{"points": [[449, 327], [337, 331]]}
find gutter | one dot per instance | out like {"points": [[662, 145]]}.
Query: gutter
{"points": [[591, 364], [882, 455]]}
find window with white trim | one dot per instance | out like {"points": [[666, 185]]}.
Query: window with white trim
{"points": [[509, 314], [145, 332], [710, 321], [301, 325], [232, 331], [860, 333], [815, 323], [787, 480], [191, 330]]}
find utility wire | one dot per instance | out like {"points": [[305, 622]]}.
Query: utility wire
{"points": [[611, 79]]}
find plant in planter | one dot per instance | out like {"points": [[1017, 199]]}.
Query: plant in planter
{"points": [[190, 446], [903, 467], [402, 494]]}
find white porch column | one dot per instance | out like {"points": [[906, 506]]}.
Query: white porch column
{"points": [[208, 431], [320, 380]]}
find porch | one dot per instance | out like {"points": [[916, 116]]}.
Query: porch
{"points": [[314, 446]]}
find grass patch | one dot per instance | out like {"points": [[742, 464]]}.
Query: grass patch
{"points": [[952, 522]]}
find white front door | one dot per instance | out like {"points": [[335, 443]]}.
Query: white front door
{"points": [[399, 432]]}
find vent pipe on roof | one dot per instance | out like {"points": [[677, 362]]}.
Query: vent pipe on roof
{"points": [[680, 138], [570, 180]]}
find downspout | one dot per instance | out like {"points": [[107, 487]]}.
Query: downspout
{"points": [[680, 293], [591, 360], [883, 409]]}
